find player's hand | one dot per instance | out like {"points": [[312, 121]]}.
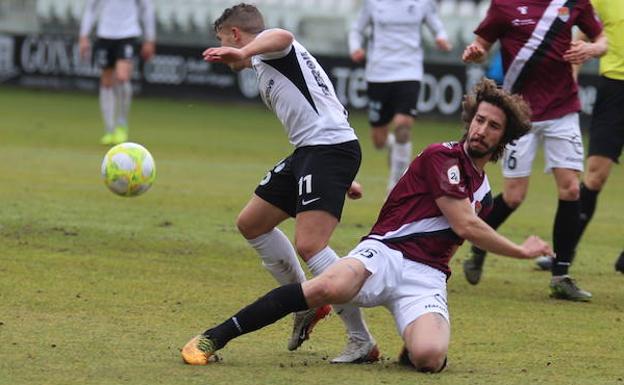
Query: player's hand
{"points": [[84, 46], [443, 45], [579, 52], [473, 53], [355, 190], [148, 49], [225, 55], [535, 246], [358, 55]]}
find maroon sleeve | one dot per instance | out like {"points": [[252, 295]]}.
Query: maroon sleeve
{"points": [[492, 26], [588, 21], [443, 175]]}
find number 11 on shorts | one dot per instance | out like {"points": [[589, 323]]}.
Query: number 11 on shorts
{"points": [[305, 183]]}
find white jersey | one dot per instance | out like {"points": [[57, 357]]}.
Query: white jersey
{"points": [[394, 44], [294, 86], [119, 19]]}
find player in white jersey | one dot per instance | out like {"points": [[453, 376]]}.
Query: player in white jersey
{"points": [[310, 184], [118, 29], [394, 69]]}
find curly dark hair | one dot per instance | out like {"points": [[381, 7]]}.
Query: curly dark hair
{"points": [[244, 16], [516, 110]]}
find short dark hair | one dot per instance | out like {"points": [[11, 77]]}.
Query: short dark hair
{"points": [[516, 110], [244, 16]]}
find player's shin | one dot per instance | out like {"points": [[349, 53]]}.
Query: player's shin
{"points": [[266, 310], [278, 257], [351, 315]]}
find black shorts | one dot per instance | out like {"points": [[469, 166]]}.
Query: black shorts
{"points": [[388, 99], [606, 133], [106, 52], [312, 178]]}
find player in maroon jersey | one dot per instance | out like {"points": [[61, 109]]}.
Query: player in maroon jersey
{"points": [[535, 39], [402, 264]]}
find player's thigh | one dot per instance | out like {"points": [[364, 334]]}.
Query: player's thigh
{"points": [[259, 217], [323, 174], [606, 133], [421, 290], [123, 70], [385, 268], [563, 144], [337, 285], [519, 155]]}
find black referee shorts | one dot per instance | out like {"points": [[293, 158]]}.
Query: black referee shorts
{"points": [[606, 133]]}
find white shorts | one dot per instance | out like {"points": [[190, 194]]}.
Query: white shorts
{"points": [[563, 147], [408, 289]]}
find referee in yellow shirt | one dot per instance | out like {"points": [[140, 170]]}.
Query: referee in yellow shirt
{"points": [[606, 133]]}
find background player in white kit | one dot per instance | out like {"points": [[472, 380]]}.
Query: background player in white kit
{"points": [[394, 69], [310, 184], [118, 30], [403, 263]]}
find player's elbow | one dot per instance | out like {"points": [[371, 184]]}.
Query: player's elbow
{"points": [[465, 229]]}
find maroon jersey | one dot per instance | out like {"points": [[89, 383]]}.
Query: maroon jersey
{"points": [[410, 220], [534, 34]]}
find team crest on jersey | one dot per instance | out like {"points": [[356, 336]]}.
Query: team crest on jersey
{"points": [[449, 145], [478, 207], [523, 9], [453, 174], [564, 14]]}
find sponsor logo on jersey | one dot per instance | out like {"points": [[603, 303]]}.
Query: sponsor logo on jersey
{"points": [[564, 14], [453, 174], [267, 93], [519, 22], [315, 73]]}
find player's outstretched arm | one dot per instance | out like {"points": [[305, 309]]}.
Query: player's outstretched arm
{"points": [[467, 225], [272, 40]]}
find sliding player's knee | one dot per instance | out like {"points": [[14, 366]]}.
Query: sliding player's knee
{"points": [[428, 357]]}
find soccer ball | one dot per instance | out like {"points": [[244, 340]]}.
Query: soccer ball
{"points": [[128, 169]]}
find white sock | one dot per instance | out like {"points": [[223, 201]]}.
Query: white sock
{"points": [[123, 94], [279, 257], [107, 106], [351, 315], [400, 158]]}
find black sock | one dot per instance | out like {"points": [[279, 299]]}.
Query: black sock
{"points": [[499, 214], [588, 206], [266, 310], [565, 235]]}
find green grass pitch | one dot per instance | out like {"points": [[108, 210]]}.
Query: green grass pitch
{"points": [[98, 289]]}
